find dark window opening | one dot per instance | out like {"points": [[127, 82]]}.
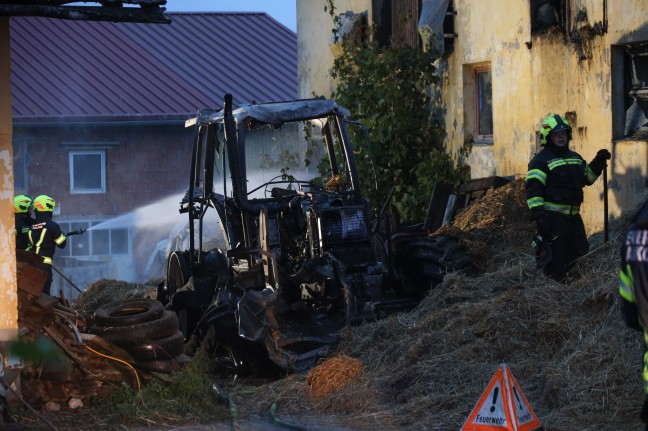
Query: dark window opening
{"points": [[484, 104], [414, 23], [549, 14], [382, 19], [449, 34], [629, 67]]}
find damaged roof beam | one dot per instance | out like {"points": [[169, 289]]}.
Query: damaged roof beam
{"points": [[147, 14]]}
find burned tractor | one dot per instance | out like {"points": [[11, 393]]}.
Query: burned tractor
{"points": [[303, 259]]}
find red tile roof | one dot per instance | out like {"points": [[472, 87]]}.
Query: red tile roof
{"points": [[63, 70]]}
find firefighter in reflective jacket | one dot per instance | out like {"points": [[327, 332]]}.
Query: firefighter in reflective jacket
{"points": [[24, 220], [45, 235], [633, 287], [554, 192]]}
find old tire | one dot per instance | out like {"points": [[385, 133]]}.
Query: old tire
{"points": [[160, 349], [423, 261], [128, 312], [140, 333], [178, 271]]}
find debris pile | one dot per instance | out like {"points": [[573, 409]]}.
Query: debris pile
{"points": [[579, 366], [63, 364]]}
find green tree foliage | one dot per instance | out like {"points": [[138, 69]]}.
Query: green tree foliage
{"points": [[388, 89]]}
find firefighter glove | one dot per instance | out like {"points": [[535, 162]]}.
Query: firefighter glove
{"points": [[542, 223], [600, 161]]}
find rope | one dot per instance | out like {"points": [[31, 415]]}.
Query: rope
{"points": [[117, 360]]}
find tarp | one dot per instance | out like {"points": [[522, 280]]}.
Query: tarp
{"points": [[502, 407], [430, 24]]}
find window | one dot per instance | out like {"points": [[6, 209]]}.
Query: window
{"points": [[484, 98], [425, 24], [478, 109], [87, 171], [99, 242], [548, 14], [630, 91]]}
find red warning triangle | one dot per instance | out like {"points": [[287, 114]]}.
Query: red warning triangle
{"points": [[502, 407]]}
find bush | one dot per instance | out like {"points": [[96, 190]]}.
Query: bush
{"points": [[388, 89]]}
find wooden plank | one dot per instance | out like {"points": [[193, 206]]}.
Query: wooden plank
{"points": [[46, 301], [30, 279], [106, 347], [482, 184], [64, 347], [437, 206]]}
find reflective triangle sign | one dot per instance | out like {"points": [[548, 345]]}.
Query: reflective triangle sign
{"points": [[502, 407]]}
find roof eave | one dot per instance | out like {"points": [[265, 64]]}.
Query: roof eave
{"points": [[125, 119]]}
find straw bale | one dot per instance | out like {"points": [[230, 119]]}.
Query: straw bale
{"points": [[576, 362]]}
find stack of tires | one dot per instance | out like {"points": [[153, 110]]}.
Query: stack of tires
{"points": [[142, 327]]}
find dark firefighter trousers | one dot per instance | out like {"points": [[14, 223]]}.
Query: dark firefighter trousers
{"points": [[569, 242]]}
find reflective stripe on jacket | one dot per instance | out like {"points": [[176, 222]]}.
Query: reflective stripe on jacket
{"points": [[45, 236], [555, 181], [633, 275]]}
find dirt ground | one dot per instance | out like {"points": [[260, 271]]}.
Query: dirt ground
{"points": [[575, 361]]}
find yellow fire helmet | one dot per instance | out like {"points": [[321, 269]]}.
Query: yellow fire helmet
{"points": [[554, 123], [44, 203], [22, 204]]}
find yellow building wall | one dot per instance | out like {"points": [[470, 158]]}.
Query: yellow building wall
{"points": [[8, 287], [535, 76], [532, 76], [314, 47]]}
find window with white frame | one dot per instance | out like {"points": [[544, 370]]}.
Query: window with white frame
{"points": [[478, 109], [88, 171], [95, 242]]}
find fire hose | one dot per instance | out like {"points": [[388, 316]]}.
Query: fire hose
{"points": [[66, 279], [59, 272]]}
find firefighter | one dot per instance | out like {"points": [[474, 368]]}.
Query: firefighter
{"points": [[24, 220], [633, 287], [45, 235], [554, 192]]}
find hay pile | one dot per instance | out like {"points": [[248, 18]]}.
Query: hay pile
{"points": [[104, 291], [577, 364], [333, 375], [497, 228]]}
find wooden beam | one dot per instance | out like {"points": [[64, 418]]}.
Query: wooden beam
{"points": [[112, 3], [149, 14]]}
